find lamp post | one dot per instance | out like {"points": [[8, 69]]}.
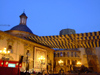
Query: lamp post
{"points": [[61, 64], [79, 64], [3, 53], [42, 61]]}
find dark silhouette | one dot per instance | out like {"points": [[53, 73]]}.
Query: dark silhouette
{"points": [[81, 69]]}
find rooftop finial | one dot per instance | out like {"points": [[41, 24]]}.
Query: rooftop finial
{"points": [[23, 18]]}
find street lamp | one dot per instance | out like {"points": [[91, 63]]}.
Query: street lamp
{"points": [[79, 66], [61, 71], [42, 61], [3, 53], [60, 62], [79, 63]]}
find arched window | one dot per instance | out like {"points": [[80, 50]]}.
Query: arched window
{"points": [[58, 54], [67, 54], [61, 54], [71, 54], [27, 53], [64, 54], [68, 62], [10, 49], [75, 62]]}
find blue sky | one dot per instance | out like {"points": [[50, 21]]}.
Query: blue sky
{"points": [[48, 17]]}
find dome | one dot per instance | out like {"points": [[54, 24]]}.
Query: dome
{"points": [[21, 28], [67, 31]]}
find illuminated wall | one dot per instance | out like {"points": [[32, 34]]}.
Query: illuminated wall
{"points": [[19, 48], [40, 58]]}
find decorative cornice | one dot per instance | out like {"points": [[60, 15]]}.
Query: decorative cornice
{"points": [[24, 40]]}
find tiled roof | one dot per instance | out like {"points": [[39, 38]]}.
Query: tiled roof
{"points": [[23, 14], [22, 28]]}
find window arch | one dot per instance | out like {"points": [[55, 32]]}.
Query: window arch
{"points": [[61, 54], [10, 48]]}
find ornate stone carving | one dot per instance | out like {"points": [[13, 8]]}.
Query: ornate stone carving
{"points": [[38, 54], [27, 46], [10, 41]]}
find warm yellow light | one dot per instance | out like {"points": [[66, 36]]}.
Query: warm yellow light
{"points": [[16, 63], [79, 63], [4, 48], [4, 51], [8, 51], [41, 58], [60, 61], [2, 63], [0, 51], [6, 63], [20, 65]]}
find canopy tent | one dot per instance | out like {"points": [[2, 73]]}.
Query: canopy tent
{"points": [[82, 40]]}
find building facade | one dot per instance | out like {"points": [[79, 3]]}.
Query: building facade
{"points": [[29, 51], [66, 59]]}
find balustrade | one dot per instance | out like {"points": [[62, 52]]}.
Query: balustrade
{"points": [[66, 54]]}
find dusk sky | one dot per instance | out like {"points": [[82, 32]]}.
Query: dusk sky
{"points": [[48, 17]]}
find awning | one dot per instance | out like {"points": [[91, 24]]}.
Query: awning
{"points": [[82, 40]]}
